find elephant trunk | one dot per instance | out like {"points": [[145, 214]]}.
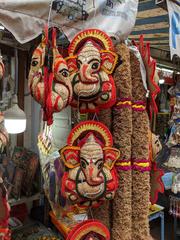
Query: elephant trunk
{"points": [[93, 177], [87, 76]]}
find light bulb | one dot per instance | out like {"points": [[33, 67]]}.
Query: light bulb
{"points": [[15, 120], [2, 27], [14, 126], [161, 81]]}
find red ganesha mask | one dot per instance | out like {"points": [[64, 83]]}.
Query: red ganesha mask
{"points": [[52, 90], [89, 157], [91, 63]]}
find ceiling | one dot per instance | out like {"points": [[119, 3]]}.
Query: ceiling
{"points": [[153, 22]]}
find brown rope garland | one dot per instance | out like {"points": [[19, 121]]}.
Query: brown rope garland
{"points": [[122, 130], [140, 150]]}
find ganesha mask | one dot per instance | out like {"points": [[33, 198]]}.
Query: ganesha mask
{"points": [[49, 80], [89, 157], [91, 63]]}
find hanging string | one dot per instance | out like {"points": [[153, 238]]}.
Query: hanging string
{"points": [[95, 117], [91, 213], [50, 13]]}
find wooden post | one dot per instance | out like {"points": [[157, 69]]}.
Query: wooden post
{"points": [[22, 60]]}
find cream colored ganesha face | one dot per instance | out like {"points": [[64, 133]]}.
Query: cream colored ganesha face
{"points": [[88, 81], [94, 178], [91, 66], [91, 158]]}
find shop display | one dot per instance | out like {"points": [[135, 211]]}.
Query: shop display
{"points": [[7, 171], [174, 206], [49, 80], [173, 162], [99, 162], [26, 163], [173, 138], [34, 231], [91, 63], [17, 183], [90, 178], [176, 184]]}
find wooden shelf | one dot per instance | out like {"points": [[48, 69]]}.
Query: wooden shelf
{"points": [[14, 202]]}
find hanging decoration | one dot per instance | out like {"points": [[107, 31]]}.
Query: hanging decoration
{"points": [[89, 230], [156, 173], [150, 66], [4, 213], [91, 63], [89, 157], [122, 132], [49, 80]]}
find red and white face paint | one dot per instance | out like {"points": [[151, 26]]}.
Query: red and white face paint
{"points": [[50, 88], [91, 62]]}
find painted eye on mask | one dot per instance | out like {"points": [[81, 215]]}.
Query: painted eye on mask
{"points": [[95, 65], [100, 164], [34, 63], [64, 72], [83, 163]]}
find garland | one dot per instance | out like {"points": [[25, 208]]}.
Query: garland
{"points": [[140, 158], [122, 131]]}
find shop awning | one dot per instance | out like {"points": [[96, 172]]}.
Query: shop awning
{"points": [[153, 22], [25, 19]]}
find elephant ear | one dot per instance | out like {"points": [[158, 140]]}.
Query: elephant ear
{"points": [[111, 155], [70, 156], [109, 61], [72, 65]]}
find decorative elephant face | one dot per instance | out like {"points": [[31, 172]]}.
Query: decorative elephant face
{"points": [[91, 177], [52, 90], [1, 68], [91, 62]]}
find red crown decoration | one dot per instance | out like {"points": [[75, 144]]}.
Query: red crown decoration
{"points": [[150, 66]]}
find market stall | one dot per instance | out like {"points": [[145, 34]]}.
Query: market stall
{"points": [[89, 159]]}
